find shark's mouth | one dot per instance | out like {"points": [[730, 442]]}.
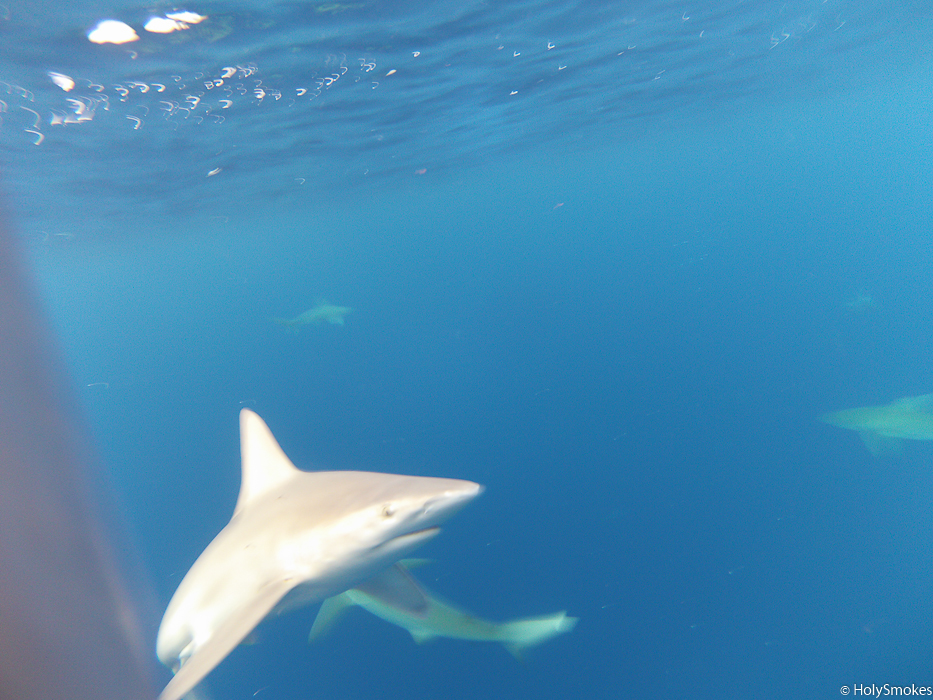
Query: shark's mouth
{"points": [[410, 540], [419, 534]]}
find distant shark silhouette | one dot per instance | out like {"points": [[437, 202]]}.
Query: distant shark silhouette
{"points": [[396, 597], [322, 311], [882, 428], [315, 534], [862, 304]]}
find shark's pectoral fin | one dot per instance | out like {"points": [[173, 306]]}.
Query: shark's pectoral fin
{"points": [[224, 639], [880, 445], [393, 588], [413, 563], [396, 588], [331, 610], [336, 320]]}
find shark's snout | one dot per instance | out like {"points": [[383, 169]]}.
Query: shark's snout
{"points": [[442, 506], [422, 523]]}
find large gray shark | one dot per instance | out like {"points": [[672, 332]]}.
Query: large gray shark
{"points": [[312, 534], [322, 311], [883, 427], [396, 597]]}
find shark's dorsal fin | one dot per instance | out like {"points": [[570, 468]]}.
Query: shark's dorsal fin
{"points": [[264, 464], [921, 404]]}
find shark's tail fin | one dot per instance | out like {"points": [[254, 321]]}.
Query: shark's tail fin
{"points": [[519, 635]]}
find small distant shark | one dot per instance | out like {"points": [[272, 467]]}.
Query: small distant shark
{"points": [[312, 534], [321, 312], [882, 428], [396, 597]]}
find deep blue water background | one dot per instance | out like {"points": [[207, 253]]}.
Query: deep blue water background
{"points": [[620, 310]]}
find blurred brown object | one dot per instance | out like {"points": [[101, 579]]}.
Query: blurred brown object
{"points": [[68, 627]]}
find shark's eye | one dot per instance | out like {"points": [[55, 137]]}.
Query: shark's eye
{"points": [[388, 510]]}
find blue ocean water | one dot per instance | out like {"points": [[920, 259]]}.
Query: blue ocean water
{"points": [[611, 260]]}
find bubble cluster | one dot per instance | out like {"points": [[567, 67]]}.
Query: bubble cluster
{"points": [[200, 98]]}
